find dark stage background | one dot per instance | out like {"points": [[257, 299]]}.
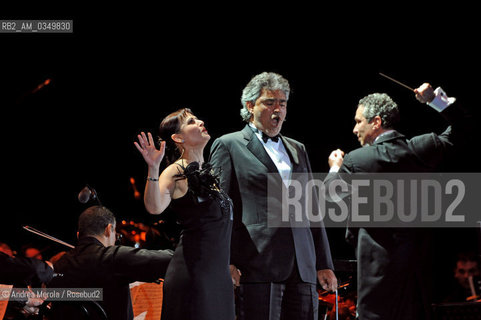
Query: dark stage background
{"points": [[117, 75]]}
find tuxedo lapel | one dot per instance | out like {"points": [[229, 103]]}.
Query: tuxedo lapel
{"points": [[292, 152], [257, 149]]}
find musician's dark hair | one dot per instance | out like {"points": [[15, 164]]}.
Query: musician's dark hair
{"points": [[93, 220], [171, 124], [467, 256]]}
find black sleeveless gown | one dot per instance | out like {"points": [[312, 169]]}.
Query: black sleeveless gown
{"points": [[198, 284]]}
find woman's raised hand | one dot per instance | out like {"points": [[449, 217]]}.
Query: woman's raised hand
{"points": [[146, 147]]}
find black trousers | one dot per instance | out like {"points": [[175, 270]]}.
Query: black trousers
{"points": [[288, 300]]}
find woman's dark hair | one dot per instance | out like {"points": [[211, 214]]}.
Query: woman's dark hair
{"points": [[170, 125]]}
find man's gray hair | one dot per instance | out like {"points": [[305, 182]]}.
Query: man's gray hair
{"points": [[380, 104], [252, 91]]}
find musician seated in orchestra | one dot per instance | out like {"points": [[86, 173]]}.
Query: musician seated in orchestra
{"points": [[465, 286], [96, 262], [22, 271]]}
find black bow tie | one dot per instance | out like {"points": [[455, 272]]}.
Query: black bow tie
{"points": [[265, 137]]}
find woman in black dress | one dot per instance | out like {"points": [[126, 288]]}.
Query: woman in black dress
{"points": [[198, 283]]}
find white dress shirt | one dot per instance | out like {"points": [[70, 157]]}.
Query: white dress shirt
{"points": [[278, 153]]}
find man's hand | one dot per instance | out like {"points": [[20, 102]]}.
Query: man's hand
{"points": [[425, 93], [327, 279], [235, 274], [336, 158], [32, 306]]}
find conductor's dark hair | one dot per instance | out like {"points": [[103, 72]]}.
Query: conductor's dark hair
{"points": [[171, 124], [93, 220]]}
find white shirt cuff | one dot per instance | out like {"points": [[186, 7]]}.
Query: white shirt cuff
{"points": [[441, 101], [334, 168]]}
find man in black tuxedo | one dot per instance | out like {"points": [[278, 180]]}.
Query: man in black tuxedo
{"points": [[277, 267], [393, 263], [96, 262]]}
